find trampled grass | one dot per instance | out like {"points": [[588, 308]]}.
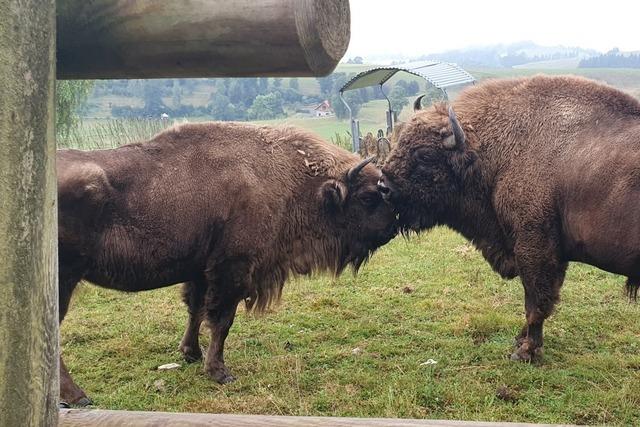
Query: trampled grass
{"points": [[357, 346]]}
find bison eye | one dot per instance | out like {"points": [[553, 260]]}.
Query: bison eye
{"points": [[371, 199], [424, 156]]}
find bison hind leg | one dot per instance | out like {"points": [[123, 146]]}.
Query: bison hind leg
{"points": [[193, 294], [631, 288]]}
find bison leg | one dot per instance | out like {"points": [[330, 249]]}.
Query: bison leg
{"points": [[226, 289], [220, 315], [69, 390], [542, 274], [193, 296]]}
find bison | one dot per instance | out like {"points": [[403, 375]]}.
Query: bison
{"points": [[229, 209], [536, 172]]}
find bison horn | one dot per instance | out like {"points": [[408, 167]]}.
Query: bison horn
{"points": [[458, 133], [354, 171], [417, 104]]}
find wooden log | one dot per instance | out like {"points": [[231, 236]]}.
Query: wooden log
{"points": [[109, 39], [28, 229], [103, 418]]}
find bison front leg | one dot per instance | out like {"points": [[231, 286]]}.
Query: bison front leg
{"points": [[227, 287], [193, 294], [220, 315], [70, 392], [542, 273]]}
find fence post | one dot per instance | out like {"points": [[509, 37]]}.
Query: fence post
{"points": [[28, 215]]}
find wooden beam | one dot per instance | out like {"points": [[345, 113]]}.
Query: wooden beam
{"points": [[103, 418], [28, 229], [109, 39]]}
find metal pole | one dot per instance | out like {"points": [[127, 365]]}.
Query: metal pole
{"points": [[28, 219], [390, 117], [355, 129]]}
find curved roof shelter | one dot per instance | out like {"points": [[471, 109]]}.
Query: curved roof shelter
{"points": [[441, 75]]}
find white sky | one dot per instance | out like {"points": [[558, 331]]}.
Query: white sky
{"points": [[416, 27]]}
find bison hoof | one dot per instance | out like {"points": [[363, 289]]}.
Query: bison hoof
{"points": [[75, 401], [221, 375], [527, 353], [85, 401], [191, 354], [226, 379]]}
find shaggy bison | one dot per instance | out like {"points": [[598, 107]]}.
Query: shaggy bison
{"points": [[229, 209], [536, 172]]}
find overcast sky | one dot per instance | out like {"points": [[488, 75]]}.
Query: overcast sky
{"points": [[415, 27]]}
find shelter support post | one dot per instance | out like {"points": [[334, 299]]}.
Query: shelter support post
{"points": [[28, 247], [355, 126]]}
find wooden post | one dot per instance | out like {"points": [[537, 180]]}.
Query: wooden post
{"points": [[28, 236], [109, 39]]}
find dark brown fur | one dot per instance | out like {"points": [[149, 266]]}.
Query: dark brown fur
{"points": [[230, 209], [546, 173]]}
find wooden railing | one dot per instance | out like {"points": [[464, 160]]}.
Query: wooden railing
{"points": [[102, 418]]}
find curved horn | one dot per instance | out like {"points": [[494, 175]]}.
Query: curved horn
{"points": [[417, 104], [354, 171], [458, 133]]}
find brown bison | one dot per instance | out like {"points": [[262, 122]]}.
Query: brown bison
{"points": [[229, 209], [536, 172]]}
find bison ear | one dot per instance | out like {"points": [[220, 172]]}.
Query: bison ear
{"points": [[333, 194]]}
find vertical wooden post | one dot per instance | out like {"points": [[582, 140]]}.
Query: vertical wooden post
{"points": [[28, 215]]}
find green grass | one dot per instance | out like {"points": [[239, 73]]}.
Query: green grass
{"points": [[432, 297]]}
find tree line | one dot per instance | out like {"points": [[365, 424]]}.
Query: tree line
{"points": [[612, 59], [246, 98]]}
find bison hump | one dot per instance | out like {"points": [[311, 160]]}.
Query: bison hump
{"points": [[83, 189]]}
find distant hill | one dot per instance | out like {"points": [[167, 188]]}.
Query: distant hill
{"points": [[511, 55]]}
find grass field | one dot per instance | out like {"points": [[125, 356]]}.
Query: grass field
{"points": [[357, 346]]}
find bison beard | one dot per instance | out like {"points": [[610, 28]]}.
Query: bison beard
{"points": [[231, 210], [537, 172]]}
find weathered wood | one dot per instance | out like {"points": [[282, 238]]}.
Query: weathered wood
{"points": [[28, 289], [100, 39], [103, 418]]}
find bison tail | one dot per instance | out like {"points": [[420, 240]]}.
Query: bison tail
{"points": [[632, 288]]}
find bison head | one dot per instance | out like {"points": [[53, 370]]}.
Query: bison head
{"points": [[427, 170], [363, 219]]}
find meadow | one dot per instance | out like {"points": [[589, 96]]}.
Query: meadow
{"points": [[425, 330]]}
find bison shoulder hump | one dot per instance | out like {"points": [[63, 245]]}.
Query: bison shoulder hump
{"points": [[83, 184]]}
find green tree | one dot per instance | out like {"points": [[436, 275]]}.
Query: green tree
{"points": [[221, 108], [352, 98], [412, 88], [71, 96], [266, 107], [263, 84], [398, 98], [176, 97], [326, 84], [152, 95]]}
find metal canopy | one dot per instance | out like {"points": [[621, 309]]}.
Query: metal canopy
{"points": [[440, 74]]}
